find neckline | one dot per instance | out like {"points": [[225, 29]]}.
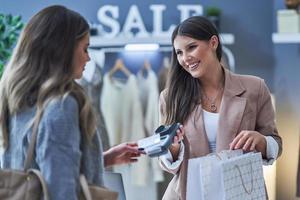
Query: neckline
{"points": [[212, 113]]}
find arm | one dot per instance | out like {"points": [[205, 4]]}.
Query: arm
{"points": [[264, 138], [58, 152], [121, 154], [169, 164]]}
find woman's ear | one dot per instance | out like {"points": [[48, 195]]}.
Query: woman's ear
{"points": [[214, 42]]}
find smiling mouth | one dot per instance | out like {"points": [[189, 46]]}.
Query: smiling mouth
{"points": [[193, 66]]}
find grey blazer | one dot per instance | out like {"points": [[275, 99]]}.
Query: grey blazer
{"points": [[246, 105]]}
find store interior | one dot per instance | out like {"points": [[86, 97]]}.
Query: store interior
{"points": [[257, 40]]}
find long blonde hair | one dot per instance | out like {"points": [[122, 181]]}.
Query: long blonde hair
{"points": [[41, 68]]}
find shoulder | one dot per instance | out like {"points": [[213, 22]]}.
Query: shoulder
{"points": [[61, 110], [249, 82], [60, 119], [66, 103]]}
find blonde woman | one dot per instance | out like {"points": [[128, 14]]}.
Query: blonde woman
{"points": [[38, 87]]}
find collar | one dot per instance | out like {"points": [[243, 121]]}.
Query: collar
{"points": [[233, 85]]}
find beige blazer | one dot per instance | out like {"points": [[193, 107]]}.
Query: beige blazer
{"points": [[246, 105]]}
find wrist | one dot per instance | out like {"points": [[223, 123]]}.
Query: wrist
{"points": [[262, 147], [106, 160], [174, 149], [174, 146]]}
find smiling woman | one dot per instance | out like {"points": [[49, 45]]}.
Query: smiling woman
{"points": [[213, 104]]}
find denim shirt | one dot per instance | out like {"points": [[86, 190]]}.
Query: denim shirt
{"points": [[61, 151]]}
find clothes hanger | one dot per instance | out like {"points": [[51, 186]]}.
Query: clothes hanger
{"points": [[166, 62], [146, 67], [119, 66]]}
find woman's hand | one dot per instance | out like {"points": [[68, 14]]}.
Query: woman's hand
{"points": [[175, 146], [121, 154], [250, 141]]}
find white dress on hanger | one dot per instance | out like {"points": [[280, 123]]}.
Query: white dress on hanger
{"points": [[122, 111], [149, 95]]}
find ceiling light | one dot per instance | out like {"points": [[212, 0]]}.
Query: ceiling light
{"points": [[141, 47]]}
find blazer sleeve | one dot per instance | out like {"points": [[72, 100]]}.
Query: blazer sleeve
{"points": [[166, 164], [265, 123]]}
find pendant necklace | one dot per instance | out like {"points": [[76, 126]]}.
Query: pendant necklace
{"points": [[212, 102]]}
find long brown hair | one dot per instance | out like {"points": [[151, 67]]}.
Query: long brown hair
{"points": [[184, 91], [41, 68]]}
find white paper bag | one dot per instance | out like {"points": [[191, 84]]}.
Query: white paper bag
{"points": [[230, 175], [195, 176]]}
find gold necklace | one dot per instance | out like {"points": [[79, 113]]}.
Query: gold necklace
{"points": [[212, 102]]}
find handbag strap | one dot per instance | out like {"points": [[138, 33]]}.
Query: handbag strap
{"points": [[85, 187], [42, 181], [30, 151], [96, 192], [28, 161]]}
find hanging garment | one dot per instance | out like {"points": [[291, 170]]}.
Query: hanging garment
{"points": [[149, 97], [123, 117], [162, 80], [163, 73]]}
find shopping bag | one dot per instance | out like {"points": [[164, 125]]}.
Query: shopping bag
{"points": [[227, 175], [193, 185], [195, 182]]}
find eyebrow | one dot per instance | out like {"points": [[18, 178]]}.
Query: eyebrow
{"points": [[189, 44]]}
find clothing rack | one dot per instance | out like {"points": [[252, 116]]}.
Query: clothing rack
{"points": [[120, 49], [118, 43]]}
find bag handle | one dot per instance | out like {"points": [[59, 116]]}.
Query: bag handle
{"points": [[99, 192], [43, 182], [30, 151], [29, 158], [243, 183], [240, 173], [28, 161], [85, 187]]}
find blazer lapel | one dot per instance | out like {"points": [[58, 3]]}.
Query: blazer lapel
{"points": [[196, 134], [231, 111]]}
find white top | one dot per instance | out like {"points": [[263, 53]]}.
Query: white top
{"points": [[211, 121]]}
